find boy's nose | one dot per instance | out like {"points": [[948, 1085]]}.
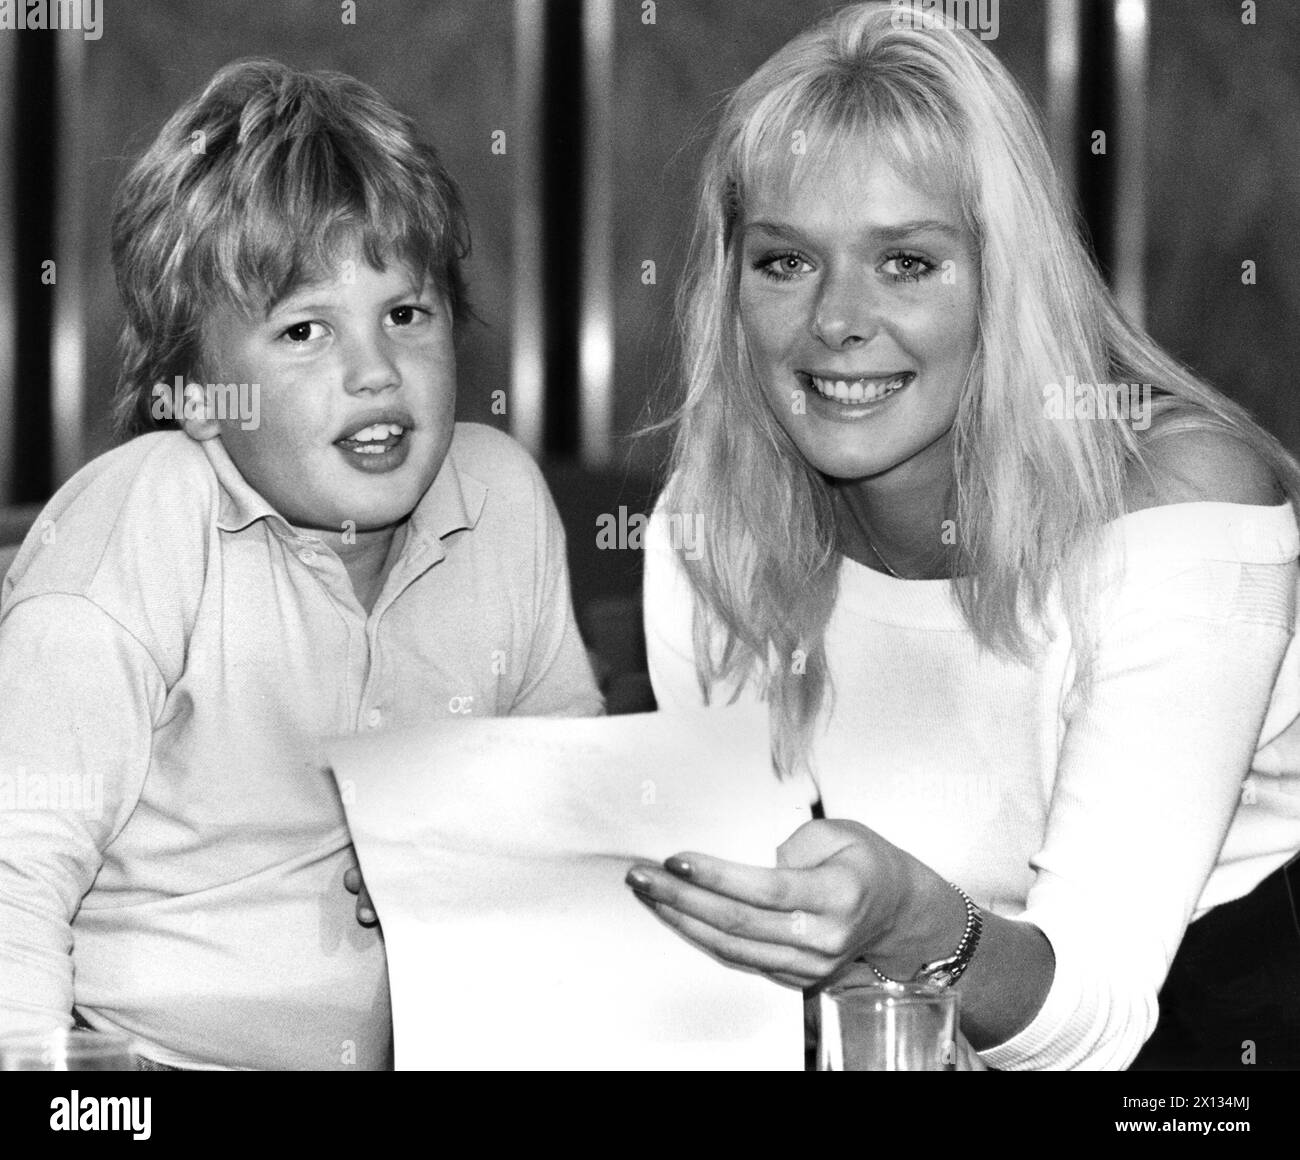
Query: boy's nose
{"points": [[372, 368]]}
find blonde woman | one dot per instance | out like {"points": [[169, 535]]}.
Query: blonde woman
{"points": [[1018, 589]]}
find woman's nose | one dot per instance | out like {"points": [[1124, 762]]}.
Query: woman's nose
{"points": [[846, 311]]}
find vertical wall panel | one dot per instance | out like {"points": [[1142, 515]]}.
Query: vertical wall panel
{"points": [[8, 311], [68, 340], [596, 334], [1224, 179], [1129, 262], [1063, 79], [528, 372]]}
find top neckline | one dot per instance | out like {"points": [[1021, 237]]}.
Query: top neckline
{"points": [[1207, 530]]}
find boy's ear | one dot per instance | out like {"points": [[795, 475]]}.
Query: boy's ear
{"points": [[197, 417]]}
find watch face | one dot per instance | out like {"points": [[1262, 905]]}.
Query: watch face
{"points": [[943, 977]]}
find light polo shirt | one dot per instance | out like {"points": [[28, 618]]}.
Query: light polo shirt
{"points": [[174, 657]]}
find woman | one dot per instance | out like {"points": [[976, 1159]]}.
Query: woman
{"points": [[1018, 588]]}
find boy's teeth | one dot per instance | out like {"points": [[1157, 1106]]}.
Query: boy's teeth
{"points": [[377, 431]]}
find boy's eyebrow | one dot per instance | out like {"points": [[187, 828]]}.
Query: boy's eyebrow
{"points": [[882, 233], [292, 305]]}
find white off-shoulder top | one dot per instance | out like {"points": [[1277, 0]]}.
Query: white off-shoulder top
{"points": [[1111, 821]]}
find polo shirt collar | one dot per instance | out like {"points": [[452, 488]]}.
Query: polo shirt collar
{"points": [[453, 503], [239, 505]]}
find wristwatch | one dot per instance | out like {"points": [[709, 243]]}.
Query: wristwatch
{"points": [[945, 972]]}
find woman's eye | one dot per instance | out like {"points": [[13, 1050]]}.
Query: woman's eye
{"points": [[907, 267], [301, 332], [783, 267]]}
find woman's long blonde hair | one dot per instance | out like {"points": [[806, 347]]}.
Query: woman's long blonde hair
{"points": [[1032, 492]]}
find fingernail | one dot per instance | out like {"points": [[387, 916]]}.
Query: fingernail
{"points": [[638, 880], [366, 915], [678, 866]]}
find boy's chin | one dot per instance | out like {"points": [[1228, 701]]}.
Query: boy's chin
{"points": [[372, 518], [337, 517], [382, 501]]}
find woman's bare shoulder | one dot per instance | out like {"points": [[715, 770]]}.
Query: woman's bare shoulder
{"points": [[1201, 464]]}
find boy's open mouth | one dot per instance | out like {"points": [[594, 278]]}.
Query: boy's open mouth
{"points": [[376, 444]]}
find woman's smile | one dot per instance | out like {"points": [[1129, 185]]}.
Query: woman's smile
{"points": [[859, 307], [849, 396]]}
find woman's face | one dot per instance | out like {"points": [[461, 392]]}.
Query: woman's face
{"points": [[859, 300]]}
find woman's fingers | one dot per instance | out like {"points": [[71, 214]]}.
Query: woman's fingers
{"points": [[724, 914], [355, 884], [827, 938], [759, 886], [366, 914], [787, 965]]}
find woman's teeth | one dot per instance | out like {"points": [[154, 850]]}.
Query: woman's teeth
{"points": [[859, 390]]}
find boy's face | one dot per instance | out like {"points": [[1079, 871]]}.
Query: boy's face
{"points": [[357, 382]]}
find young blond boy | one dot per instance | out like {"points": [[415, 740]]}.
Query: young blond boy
{"points": [[201, 609]]}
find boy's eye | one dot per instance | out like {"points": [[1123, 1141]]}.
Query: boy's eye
{"points": [[407, 315], [301, 332]]}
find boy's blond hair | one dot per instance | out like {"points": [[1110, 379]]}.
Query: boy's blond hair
{"points": [[255, 187]]}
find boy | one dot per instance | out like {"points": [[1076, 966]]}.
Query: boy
{"points": [[199, 610]]}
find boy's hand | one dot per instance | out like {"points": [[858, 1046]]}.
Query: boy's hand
{"points": [[366, 915]]}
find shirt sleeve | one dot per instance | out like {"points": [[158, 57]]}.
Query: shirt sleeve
{"points": [[1150, 772], [78, 698], [558, 681]]}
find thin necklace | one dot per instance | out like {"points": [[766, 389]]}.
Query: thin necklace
{"points": [[862, 527], [871, 544]]}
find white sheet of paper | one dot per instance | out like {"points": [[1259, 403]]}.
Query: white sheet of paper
{"points": [[494, 851]]}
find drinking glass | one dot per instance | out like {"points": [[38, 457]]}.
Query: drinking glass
{"points": [[883, 1027], [67, 1051]]}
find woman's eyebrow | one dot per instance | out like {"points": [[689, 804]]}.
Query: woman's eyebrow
{"points": [[776, 229], [921, 226], [882, 233]]}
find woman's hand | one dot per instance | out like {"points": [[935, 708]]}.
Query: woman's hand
{"points": [[366, 915], [838, 890]]}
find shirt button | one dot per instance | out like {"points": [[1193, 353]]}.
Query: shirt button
{"points": [[374, 718], [307, 556]]}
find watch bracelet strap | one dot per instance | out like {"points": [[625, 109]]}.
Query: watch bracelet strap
{"points": [[955, 964]]}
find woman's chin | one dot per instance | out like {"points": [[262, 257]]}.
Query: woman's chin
{"points": [[846, 466]]}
